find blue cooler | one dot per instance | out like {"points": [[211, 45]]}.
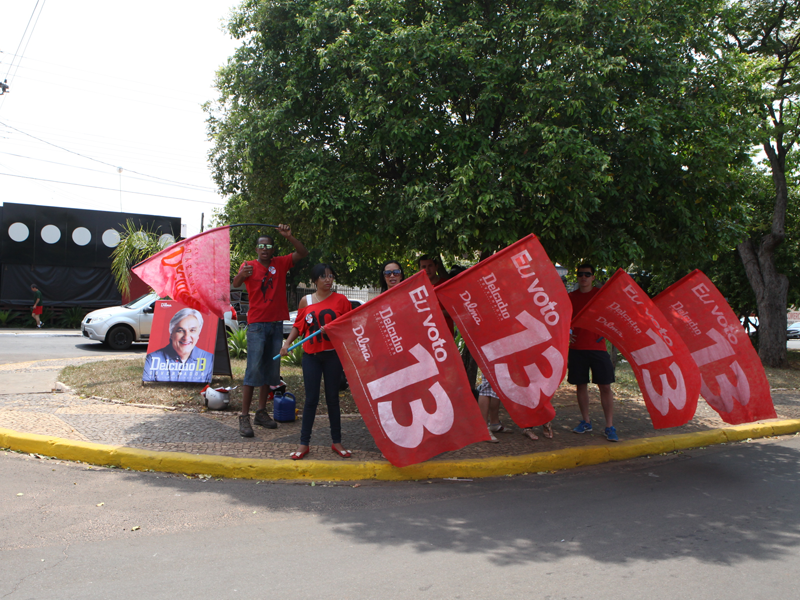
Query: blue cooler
{"points": [[283, 407]]}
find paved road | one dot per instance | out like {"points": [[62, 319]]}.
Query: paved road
{"points": [[720, 522], [51, 346]]}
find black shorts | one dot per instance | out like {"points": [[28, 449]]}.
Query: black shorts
{"points": [[581, 361]]}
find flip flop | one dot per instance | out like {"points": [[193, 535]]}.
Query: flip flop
{"points": [[529, 432], [547, 430]]}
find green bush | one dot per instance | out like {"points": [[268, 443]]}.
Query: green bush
{"points": [[6, 316], [294, 358], [237, 343], [71, 317]]}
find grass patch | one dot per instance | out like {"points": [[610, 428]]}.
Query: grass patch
{"points": [[122, 380]]}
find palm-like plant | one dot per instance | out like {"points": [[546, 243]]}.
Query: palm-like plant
{"points": [[135, 245], [237, 343], [71, 317], [6, 316]]}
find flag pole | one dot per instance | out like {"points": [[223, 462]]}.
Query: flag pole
{"points": [[296, 344]]}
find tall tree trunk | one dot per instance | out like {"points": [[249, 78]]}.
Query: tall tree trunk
{"points": [[771, 287]]}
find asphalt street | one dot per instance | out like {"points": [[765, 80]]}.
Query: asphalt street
{"points": [[48, 348], [719, 522]]}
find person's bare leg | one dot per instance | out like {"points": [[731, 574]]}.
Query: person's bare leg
{"points": [[483, 405], [583, 400], [607, 400], [494, 411], [247, 398], [263, 395]]}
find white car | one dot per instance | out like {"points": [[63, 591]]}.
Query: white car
{"points": [[287, 325], [118, 327]]}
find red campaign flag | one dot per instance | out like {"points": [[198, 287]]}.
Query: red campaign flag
{"points": [[733, 378], [195, 271], [513, 311], [406, 374], [667, 375]]}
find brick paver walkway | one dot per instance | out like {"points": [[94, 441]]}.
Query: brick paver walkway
{"points": [[68, 416]]}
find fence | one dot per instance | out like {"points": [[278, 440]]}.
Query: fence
{"points": [[362, 294]]}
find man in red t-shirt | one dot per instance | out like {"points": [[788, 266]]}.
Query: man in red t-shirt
{"points": [[265, 279], [587, 351]]}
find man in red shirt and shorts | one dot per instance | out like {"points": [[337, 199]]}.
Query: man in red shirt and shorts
{"points": [[587, 352], [265, 279]]}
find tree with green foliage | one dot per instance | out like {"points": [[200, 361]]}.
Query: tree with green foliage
{"points": [[608, 128], [767, 32]]}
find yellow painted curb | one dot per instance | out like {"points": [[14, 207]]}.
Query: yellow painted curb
{"points": [[244, 468]]}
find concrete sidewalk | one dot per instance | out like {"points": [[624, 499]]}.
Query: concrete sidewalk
{"points": [[61, 420], [42, 332]]}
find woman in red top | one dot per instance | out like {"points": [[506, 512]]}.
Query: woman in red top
{"points": [[319, 358]]}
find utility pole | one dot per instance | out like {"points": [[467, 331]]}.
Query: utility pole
{"points": [[202, 216]]}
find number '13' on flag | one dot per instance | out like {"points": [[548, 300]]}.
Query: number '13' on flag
{"points": [[406, 374]]}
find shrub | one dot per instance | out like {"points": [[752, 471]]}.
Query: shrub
{"points": [[6, 316], [237, 343], [71, 317], [294, 358]]}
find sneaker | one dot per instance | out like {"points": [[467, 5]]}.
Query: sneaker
{"points": [[498, 428], [245, 430], [492, 439], [264, 420], [583, 427], [611, 434]]}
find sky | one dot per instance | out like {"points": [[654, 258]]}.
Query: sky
{"points": [[98, 86]]}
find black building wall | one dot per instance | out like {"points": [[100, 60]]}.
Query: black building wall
{"points": [[66, 252]]}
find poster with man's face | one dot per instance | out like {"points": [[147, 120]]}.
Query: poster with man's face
{"points": [[181, 347]]}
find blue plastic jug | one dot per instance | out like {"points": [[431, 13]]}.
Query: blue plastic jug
{"points": [[283, 407]]}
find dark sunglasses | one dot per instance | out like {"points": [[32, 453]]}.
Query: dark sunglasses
{"points": [[584, 273], [264, 246], [392, 272]]}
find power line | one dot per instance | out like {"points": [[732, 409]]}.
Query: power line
{"points": [[141, 152], [137, 85], [89, 157], [192, 187], [25, 49], [97, 187], [22, 39]]}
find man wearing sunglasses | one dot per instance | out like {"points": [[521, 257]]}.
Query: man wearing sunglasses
{"points": [[587, 352], [265, 279]]}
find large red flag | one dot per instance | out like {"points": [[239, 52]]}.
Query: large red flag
{"points": [[406, 375], [513, 311], [733, 379], [195, 271], [667, 375]]}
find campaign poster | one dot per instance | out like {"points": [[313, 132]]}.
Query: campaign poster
{"points": [[181, 347]]}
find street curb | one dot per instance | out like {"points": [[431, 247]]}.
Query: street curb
{"points": [[243, 468]]}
